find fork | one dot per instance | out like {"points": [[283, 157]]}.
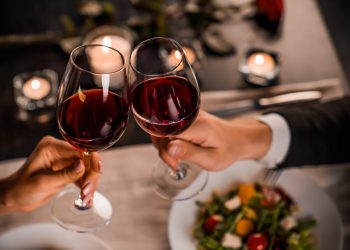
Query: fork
{"points": [[270, 176]]}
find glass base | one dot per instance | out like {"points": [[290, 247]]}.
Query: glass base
{"points": [[68, 216], [173, 186]]}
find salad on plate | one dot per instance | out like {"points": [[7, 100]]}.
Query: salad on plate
{"points": [[252, 216]]}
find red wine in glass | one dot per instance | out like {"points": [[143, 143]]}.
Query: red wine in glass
{"points": [[165, 105], [165, 99], [92, 113], [94, 119]]}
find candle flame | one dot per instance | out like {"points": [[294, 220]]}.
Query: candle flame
{"points": [[178, 54], [259, 60], [107, 41], [35, 84]]}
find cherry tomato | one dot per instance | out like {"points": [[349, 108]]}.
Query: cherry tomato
{"points": [[258, 241], [210, 224]]}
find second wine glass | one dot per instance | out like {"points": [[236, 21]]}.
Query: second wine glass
{"points": [[165, 100]]}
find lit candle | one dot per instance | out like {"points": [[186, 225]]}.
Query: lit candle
{"points": [[117, 42], [107, 62], [36, 88], [104, 60], [261, 64], [175, 57]]}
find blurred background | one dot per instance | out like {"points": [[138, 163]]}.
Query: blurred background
{"points": [[309, 38]]}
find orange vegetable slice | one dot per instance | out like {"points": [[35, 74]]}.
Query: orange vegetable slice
{"points": [[246, 191], [244, 227]]}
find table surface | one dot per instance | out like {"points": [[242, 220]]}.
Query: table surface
{"points": [[140, 217], [307, 54], [304, 45]]}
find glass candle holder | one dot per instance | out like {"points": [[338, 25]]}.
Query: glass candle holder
{"points": [[175, 56], [119, 38], [194, 54], [260, 67], [35, 90]]}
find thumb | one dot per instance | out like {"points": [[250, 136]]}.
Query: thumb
{"points": [[67, 175], [201, 156]]}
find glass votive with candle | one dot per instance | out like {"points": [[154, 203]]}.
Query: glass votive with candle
{"points": [[35, 95], [119, 38], [193, 52], [35, 90], [175, 57], [260, 67]]}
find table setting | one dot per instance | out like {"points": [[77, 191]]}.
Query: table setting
{"points": [[141, 220], [120, 72]]}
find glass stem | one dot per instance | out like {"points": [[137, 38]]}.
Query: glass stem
{"points": [[180, 172], [79, 201]]}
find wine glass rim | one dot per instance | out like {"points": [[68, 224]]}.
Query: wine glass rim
{"points": [[96, 45], [183, 56]]}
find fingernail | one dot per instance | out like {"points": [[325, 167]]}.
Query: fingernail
{"points": [[90, 202], [79, 167], [99, 166], [174, 149], [88, 198], [87, 188]]}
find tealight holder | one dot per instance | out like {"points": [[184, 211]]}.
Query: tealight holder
{"points": [[174, 57], [116, 37], [193, 52], [260, 67], [119, 38], [35, 92]]}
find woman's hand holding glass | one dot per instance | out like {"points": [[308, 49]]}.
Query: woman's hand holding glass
{"points": [[51, 166]]}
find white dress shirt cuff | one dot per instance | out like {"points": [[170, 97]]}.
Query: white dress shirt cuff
{"points": [[281, 137]]}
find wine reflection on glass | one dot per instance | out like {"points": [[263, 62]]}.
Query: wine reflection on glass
{"points": [[92, 114], [165, 100]]}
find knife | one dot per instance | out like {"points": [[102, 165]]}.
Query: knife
{"points": [[222, 96], [233, 108]]}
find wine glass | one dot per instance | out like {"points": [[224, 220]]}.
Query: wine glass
{"points": [[165, 100], [92, 113]]}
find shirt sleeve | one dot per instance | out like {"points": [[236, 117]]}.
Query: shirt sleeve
{"points": [[281, 139]]}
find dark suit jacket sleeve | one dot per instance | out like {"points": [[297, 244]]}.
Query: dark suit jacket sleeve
{"points": [[320, 133]]}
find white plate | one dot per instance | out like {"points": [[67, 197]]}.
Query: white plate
{"points": [[44, 236], [311, 199]]}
